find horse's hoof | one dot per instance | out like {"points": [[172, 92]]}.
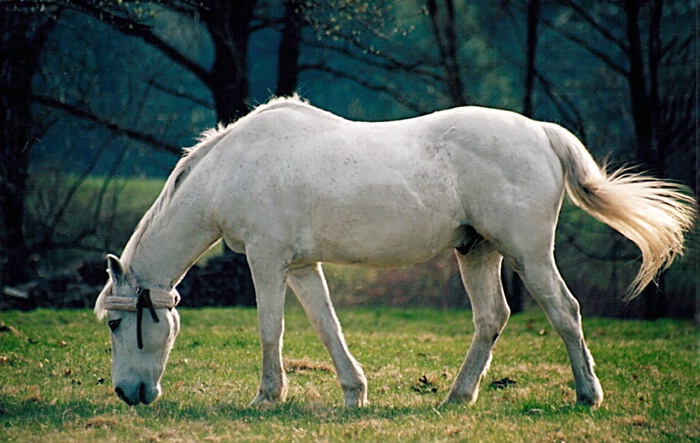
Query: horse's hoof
{"points": [[267, 399], [591, 395], [460, 399], [593, 401], [356, 397]]}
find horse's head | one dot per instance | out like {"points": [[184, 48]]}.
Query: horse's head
{"points": [[141, 341]]}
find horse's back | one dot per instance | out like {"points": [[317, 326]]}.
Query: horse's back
{"points": [[387, 193]]}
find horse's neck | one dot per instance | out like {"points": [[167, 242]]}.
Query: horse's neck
{"points": [[167, 250]]}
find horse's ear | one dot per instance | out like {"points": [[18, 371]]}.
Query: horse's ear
{"points": [[115, 269]]}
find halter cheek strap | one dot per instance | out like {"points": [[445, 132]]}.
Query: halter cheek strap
{"points": [[150, 299], [144, 301]]}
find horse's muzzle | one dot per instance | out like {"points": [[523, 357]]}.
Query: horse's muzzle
{"points": [[137, 395]]}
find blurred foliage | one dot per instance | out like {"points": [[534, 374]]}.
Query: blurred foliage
{"points": [[80, 218]]}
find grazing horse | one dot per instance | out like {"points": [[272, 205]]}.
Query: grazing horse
{"points": [[292, 186]]}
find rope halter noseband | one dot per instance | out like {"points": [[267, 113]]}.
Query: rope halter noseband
{"points": [[150, 299]]}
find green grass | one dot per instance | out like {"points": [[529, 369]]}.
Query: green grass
{"points": [[55, 381]]}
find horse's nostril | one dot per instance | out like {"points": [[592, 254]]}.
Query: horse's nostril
{"points": [[142, 394], [122, 396]]}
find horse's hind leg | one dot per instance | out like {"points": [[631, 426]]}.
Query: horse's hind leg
{"points": [[542, 279], [310, 287], [481, 274]]}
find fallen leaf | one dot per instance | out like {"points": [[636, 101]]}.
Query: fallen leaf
{"points": [[9, 330], [503, 383], [637, 420], [426, 384], [446, 374], [34, 394]]}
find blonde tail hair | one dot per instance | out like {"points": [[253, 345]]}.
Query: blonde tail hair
{"points": [[654, 214]]}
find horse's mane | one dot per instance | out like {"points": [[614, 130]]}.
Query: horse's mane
{"points": [[207, 140]]}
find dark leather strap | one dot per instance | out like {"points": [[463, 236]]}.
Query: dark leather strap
{"points": [[144, 301]]}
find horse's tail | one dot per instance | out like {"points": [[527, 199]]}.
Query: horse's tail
{"points": [[652, 213]]}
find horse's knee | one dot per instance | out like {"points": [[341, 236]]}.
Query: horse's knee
{"points": [[502, 315]]}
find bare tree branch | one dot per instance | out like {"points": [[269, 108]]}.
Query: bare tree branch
{"points": [[597, 255], [58, 214], [134, 28], [421, 66], [117, 129], [384, 88], [588, 46], [602, 30]]}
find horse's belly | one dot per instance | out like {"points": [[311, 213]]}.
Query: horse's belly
{"points": [[383, 238]]}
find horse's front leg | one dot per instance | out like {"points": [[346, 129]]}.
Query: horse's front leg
{"points": [[269, 275], [311, 289]]}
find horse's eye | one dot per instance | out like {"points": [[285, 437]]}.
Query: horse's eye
{"points": [[114, 324]]}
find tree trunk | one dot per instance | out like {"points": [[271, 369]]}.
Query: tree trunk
{"points": [[229, 25], [533, 13], [639, 95], [446, 37], [21, 44], [654, 51], [645, 112], [290, 48]]}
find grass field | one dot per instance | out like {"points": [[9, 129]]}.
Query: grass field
{"points": [[55, 381]]}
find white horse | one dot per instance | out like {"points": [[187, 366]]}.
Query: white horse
{"points": [[292, 186]]}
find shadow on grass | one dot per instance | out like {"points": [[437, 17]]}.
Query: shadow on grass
{"points": [[322, 412]]}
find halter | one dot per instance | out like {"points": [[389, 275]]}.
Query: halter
{"points": [[150, 299]]}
